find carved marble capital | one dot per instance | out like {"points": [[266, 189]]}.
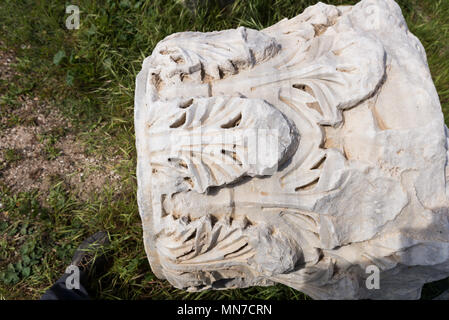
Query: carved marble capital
{"points": [[300, 154]]}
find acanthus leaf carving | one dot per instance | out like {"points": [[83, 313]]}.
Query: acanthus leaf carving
{"points": [[212, 141], [341, 185]]}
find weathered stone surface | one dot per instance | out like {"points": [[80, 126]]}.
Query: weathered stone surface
{"points": [[302, 154], [443, 296]]}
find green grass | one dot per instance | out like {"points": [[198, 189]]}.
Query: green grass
{"points": [[89, 74]]}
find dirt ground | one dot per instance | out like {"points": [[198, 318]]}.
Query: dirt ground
{"points": [[39, 147]]}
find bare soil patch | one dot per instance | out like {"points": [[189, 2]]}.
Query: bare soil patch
{"points": [[38, 148]]}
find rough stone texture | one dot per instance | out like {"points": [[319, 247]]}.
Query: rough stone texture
{"points": [[350, 173], [443, 296]]}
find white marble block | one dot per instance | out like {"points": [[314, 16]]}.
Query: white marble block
{"points": [[312, 153]]}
